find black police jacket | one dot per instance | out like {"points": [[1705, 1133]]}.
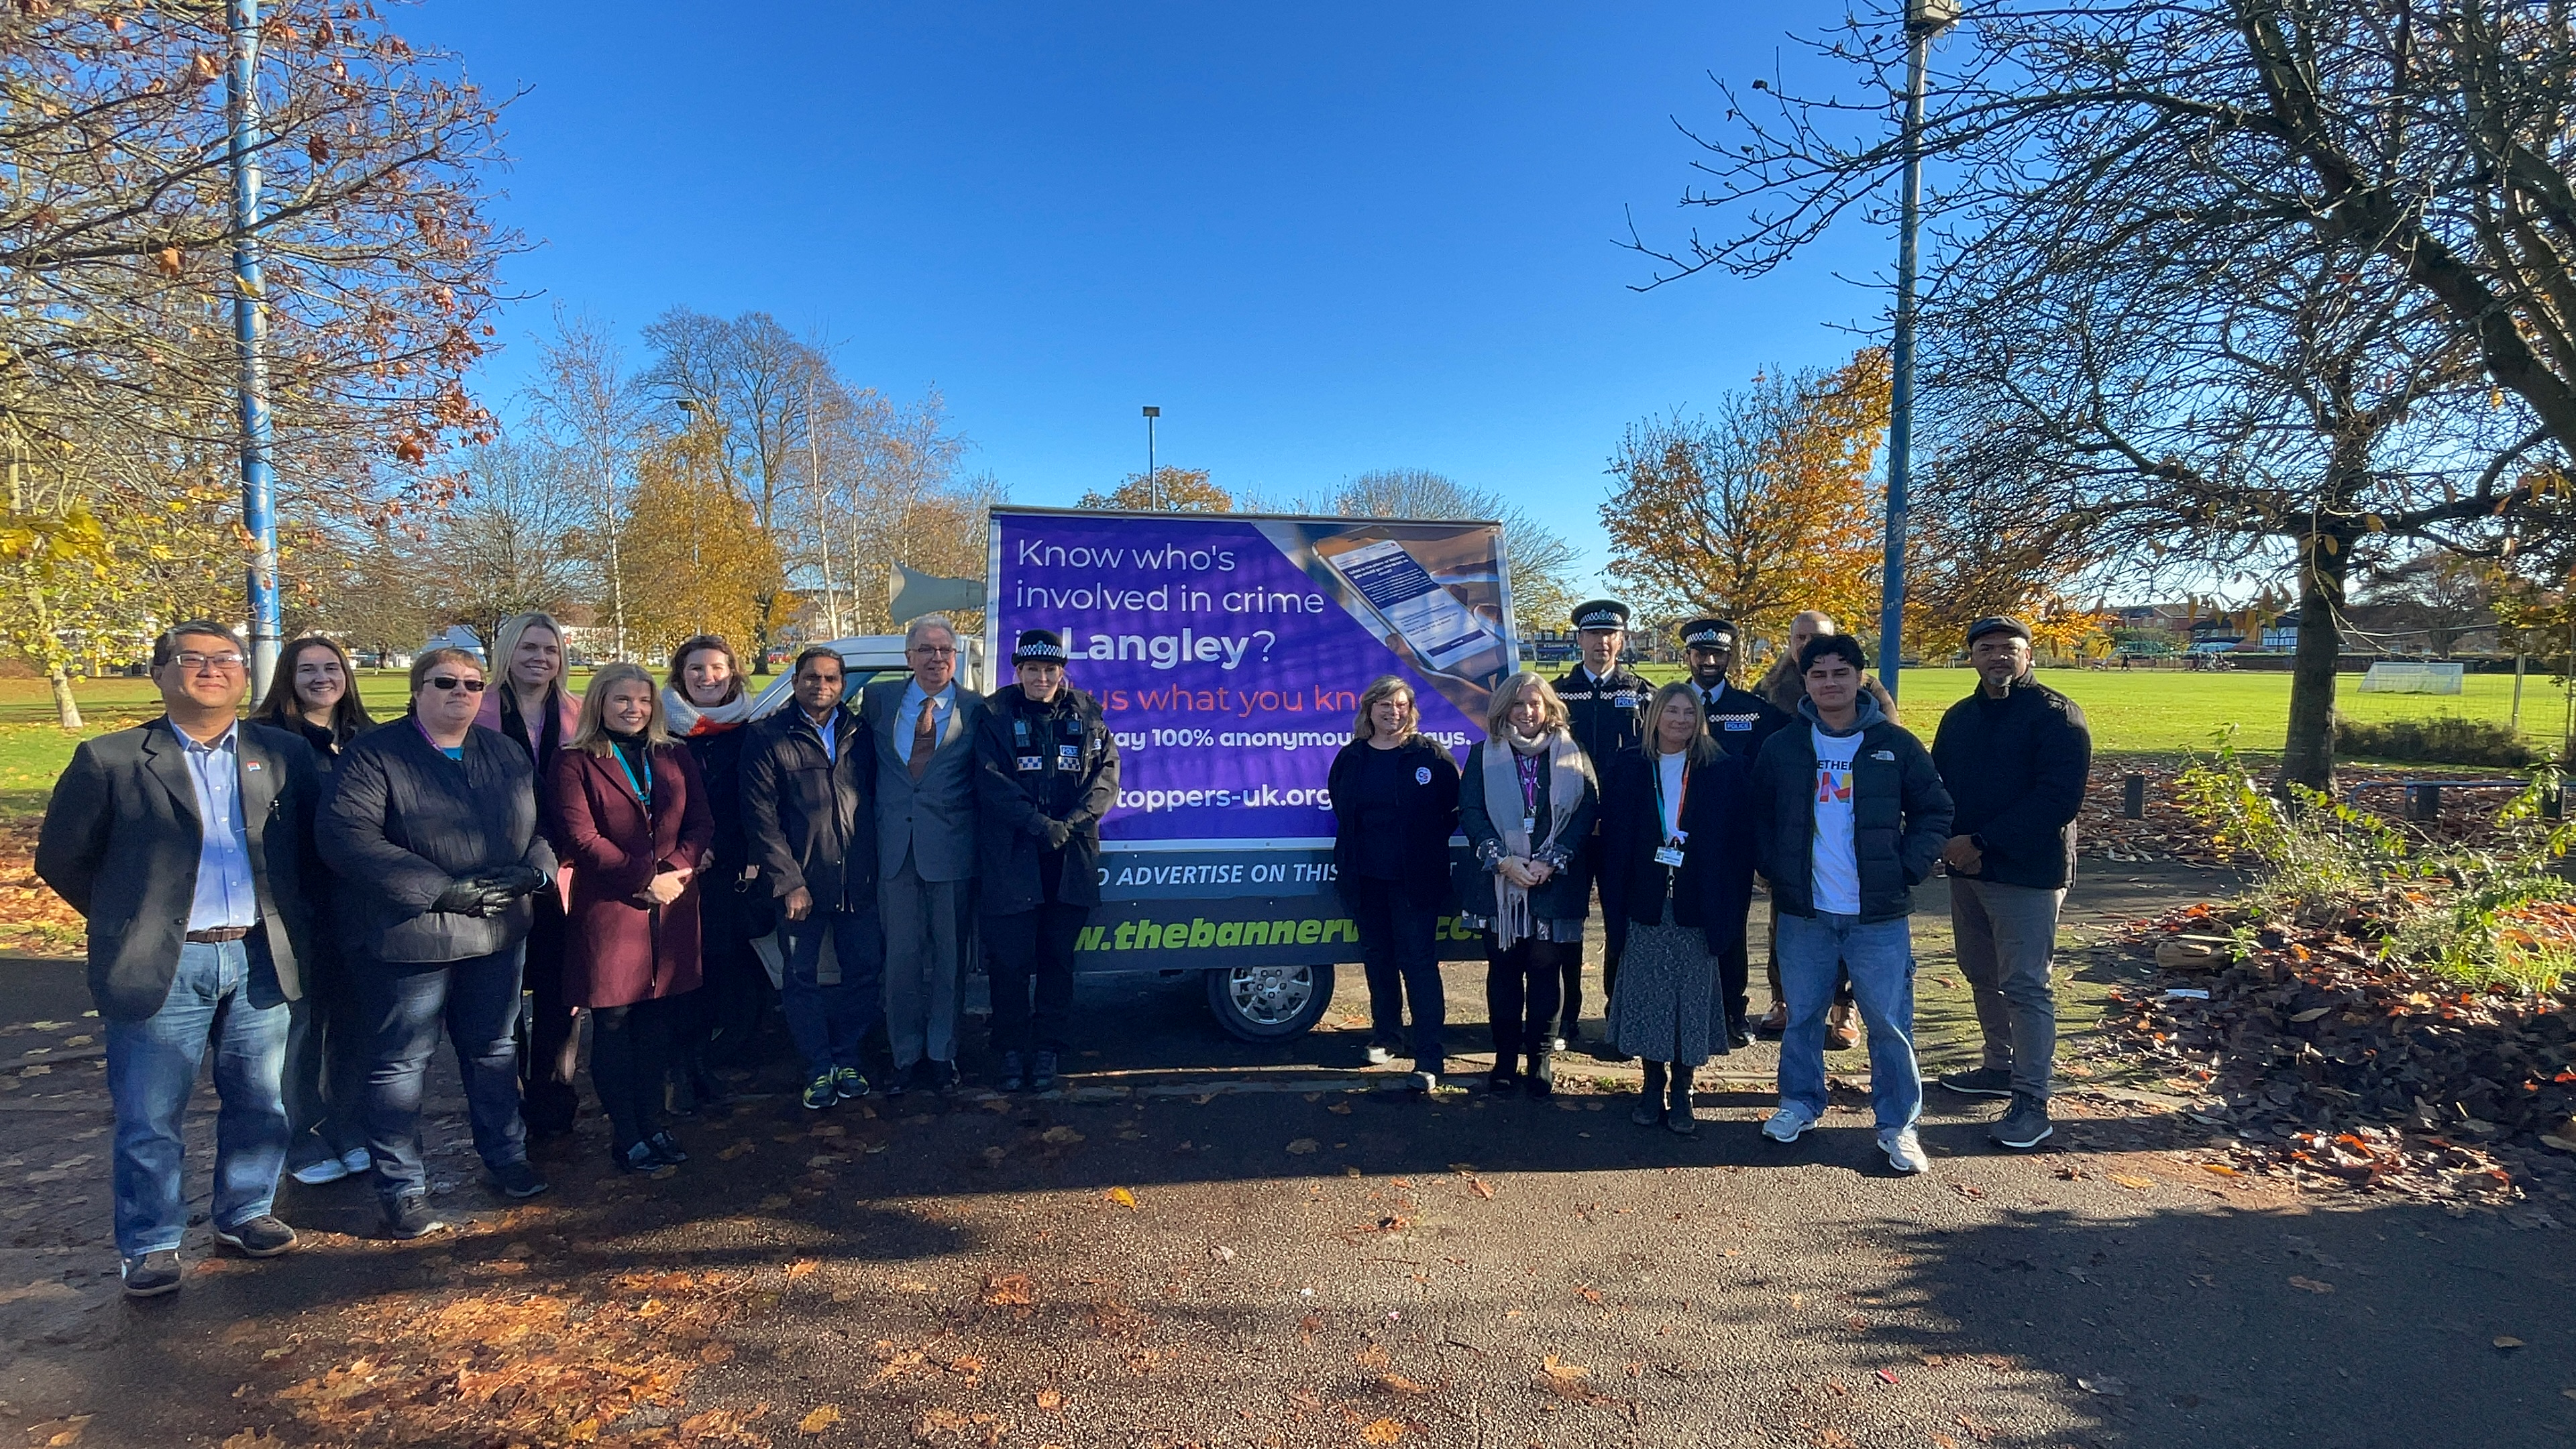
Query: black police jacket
{"points": [[1740, 721], [1041, 771], [1608, 715]]}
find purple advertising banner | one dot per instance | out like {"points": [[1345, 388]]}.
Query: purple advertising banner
{"points": [[1230, 651]]}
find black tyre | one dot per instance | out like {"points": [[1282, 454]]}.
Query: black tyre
{"points": [[1269, 1003]]}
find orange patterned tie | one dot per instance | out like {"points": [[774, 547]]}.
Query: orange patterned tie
{"points": [[925, 740]]}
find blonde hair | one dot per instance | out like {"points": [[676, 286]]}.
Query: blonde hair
{"points": [[1386, 686], [588, 733], [1703, 746], [1552, 713], [505, 646]]}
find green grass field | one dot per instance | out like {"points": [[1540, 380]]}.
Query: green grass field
{"points": [[2140, 712]]}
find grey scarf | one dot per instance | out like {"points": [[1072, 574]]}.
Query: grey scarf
{"points": [[1567, 774]]}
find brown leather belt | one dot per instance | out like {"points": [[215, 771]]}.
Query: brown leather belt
{"points": [[218, 937]]}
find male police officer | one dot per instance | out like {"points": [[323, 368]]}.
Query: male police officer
{"points": [[1739, 722], [1606, 702]]}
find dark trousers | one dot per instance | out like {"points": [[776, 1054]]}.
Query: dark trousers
{"points": [[546, 1056], [1614, 934], [630, 1053], [477, 1001], [724, 1014], [1735, 982], [1521, 987], [1401, 959], [1032, 948], [830, 1019], [328, 1048]]}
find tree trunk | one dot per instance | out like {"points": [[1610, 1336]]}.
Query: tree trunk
{"points": [[2307, 758], [66, 709]]}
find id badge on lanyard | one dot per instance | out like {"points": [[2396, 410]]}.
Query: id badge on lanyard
{"points": [[1670, 852]]}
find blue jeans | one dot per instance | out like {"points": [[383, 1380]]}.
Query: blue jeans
{"points": [[829, 1019], [225, 995], [404, 1004], [1880, 957]]}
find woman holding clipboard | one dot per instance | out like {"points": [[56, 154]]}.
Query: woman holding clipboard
{"points": [[1677, 865]]}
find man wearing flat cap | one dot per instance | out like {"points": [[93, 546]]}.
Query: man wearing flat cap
{"points": [[1046, 771], [2014, 755], [1605, 702], [1739, 721]]}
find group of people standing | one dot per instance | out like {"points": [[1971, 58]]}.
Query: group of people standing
{"points": [[313, 899], [1667, 802]]}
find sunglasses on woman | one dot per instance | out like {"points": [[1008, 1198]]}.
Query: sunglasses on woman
{"points": [[450, 681]]}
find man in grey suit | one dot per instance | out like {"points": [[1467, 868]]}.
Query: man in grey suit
{"points": [[923, 730], [184, 843]]}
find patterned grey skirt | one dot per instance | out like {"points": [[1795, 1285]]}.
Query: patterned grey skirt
{"points": [[1666, 1008]]}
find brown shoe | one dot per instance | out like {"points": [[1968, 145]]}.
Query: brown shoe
{"points": [[1774, 1021], [1840, 1034]]}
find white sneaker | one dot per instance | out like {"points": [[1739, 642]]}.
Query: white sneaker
{"points": [[1377, 1056], [1904, 1152], [1789, 1123]]}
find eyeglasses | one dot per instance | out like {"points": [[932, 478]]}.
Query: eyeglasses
{"points": [[450, 681], [225, 663], [931, 651]]}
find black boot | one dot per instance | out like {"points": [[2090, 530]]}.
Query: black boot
{"points": [[1542, 1074], [1506, 1074], [1650, 1101], [1014, 1074], [1680, 1118]]}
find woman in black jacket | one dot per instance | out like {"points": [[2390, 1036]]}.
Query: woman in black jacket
{"points": [[1046, 771], [1395, 804], [1526, 802], [1677, 864], [314, 693], [432, 827], [709, 711]]}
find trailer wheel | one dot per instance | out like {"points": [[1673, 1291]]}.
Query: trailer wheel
{"points": [[1269, 1003]]}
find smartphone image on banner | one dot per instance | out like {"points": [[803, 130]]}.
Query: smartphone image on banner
{"points": [[1442, 631]]}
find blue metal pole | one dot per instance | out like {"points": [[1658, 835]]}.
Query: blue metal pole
{"points": [[250, 330], [1900, 421]]}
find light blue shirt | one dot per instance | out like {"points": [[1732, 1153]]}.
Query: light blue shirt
{"points": [[827, 730], [226, 897], [907, 716]]}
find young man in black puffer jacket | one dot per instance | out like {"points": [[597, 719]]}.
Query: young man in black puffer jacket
{"points": [[1848, 817], [2014, 756]]}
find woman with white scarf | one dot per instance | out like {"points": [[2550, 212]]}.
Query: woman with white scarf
{"points": [[1526, 803], [707, 706]]}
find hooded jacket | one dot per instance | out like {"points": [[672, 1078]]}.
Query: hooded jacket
{"points": [[1045, 774], [1900, 813]]}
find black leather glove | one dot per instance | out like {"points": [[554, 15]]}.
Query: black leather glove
{"points": [[1057, 833], [512, 880], [461, 898]]}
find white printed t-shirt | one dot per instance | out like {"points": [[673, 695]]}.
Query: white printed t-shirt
{"points": [[1835, 871]]}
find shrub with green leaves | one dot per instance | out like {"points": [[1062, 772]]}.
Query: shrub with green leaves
{"points": [[2436, 739], [2318, 860]]}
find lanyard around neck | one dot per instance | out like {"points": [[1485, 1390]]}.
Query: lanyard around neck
{"points": [[643, 788], [1681, 802]]}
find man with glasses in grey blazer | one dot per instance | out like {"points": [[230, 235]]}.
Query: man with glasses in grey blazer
{"points": [[922, 727]]}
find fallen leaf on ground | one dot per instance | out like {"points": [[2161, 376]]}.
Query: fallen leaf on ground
{"points": [[1121, 1196], [2310, 1285], [1399, 1384], [1339, 1109], [60, 1433], [1060, 1135], [2131, 1179], [1009, 1290], [1835, 1439], [2221, 1168], [1301, 1146], [822, 1418], [1943, 1441], [2107, 1386], [1381, 1431], [801, 1267], [1481, 1188], [1371, 1356], [2507, 1342], [1050, 1399]]}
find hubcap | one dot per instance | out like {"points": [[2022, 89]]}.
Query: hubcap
{"points": [[1270, 995]]}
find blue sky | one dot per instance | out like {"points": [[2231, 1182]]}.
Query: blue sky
{"points": [[1323, 240]]}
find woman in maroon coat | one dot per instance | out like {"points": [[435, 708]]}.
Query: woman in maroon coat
{"points": [[632, 820]]}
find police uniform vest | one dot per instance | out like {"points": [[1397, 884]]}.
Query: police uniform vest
{"points": [[1608, 714]]}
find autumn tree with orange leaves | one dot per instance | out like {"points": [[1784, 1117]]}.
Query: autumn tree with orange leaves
{"points": [[117, 362], [1761, 510]]}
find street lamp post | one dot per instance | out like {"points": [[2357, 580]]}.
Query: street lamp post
{"points": [[1924, 19], [250, 328], [1153, 489]]}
